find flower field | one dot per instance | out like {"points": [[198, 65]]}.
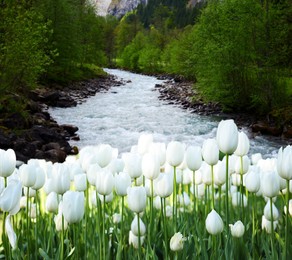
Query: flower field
{"points": [[157, 201]]}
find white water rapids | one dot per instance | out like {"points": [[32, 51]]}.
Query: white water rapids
{"points": [[118, 117]]}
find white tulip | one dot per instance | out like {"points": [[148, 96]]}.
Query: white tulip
{"points": [[122, 182], [133, 162], [52, 202], [80, 182], [267, 211], [27, 175], [243, 144], [175, 153], [214, 223], [237, 230], [227, 136], [270, 185], [284, 162], [144, 143], [163, 185], [210, 151], [137, 199], [134, 240], [150, 166], [73, 206], [134, 227], [177, 242], [159, 151], [7, 162], [193, 157], [104, 182], [104, 155], [267, 225], [252, 180], [10, 233]]}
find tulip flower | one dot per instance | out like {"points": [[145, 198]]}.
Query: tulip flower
{"points": [[144, 143], [227, 136], [164, 185], [284, 162], [159, 151], [10, 197], [80, 182], [40, 178], [255, 158], [243, 144], [193, 157], [214, 223], [133, 163], [177, 242], [237, 229], [134, 227], [52, 202], [269, 226], [91, 173], [104, 182], [150, 166], [175, 153], [122, 182], [270, 185], [27, 175], [135, 240], [104, 155], [252, 180], [116, 218], [271, 214], [210, 151], [137, 199], [7, 162], [61, 178], [73, 206]]}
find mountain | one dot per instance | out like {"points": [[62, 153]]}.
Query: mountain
{"points": [[120, 7]]}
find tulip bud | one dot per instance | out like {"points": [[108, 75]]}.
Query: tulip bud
{"points": [[137, 199], [270, 185], [52, 202], [134, 240], [255, 158], [122, 182], [252, 181], [104, 155], [242, 168], [164, 185], [214, 223], [104, 182], [193, 157], [237, 230], [210, 151], [144, 142], [150, 166], [267, 225], [267, 211], [7, 162], [61, 178], [91, 173], [73, 206], [220, 173], [177, 242], [116, 218], [80, 182], [133, 163], [27, 175], [40, 178], [175, 153], [10, 197], [243, 145], [58, 222], [134, 227], [159, 151], [284, 162], [227, 136]]}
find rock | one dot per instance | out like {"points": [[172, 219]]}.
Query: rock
{"points": [[55, 155], [51, 146], [71, 129], [265, 128]]}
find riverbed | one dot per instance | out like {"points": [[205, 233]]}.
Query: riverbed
{"points": [[119, 116]]}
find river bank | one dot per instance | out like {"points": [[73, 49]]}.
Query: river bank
{"points": [[37, 134], [181, 92]]}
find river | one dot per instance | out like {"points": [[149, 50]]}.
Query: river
{"points": [[118, 117]]}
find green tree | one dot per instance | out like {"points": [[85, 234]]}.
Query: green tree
{"points": [[23, 46]]}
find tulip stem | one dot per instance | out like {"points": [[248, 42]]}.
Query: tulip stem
{"points": [[219, 200], [287, 220], [272, 227], [213, 189], [151, 210], [163, 213], [62, 239], [194, 193], [139, 237], [174, 210], [122, 219], [36, 223], [86, 218], [27, 223], [241, 188], [103, 227], [227, 204], [98, 204]]}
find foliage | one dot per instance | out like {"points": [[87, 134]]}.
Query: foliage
{"points": [[24, 54]]}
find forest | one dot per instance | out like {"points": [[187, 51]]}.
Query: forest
{"points": [[237, 53]]}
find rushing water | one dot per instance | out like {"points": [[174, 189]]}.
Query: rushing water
{"points": [[118, 117]]}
